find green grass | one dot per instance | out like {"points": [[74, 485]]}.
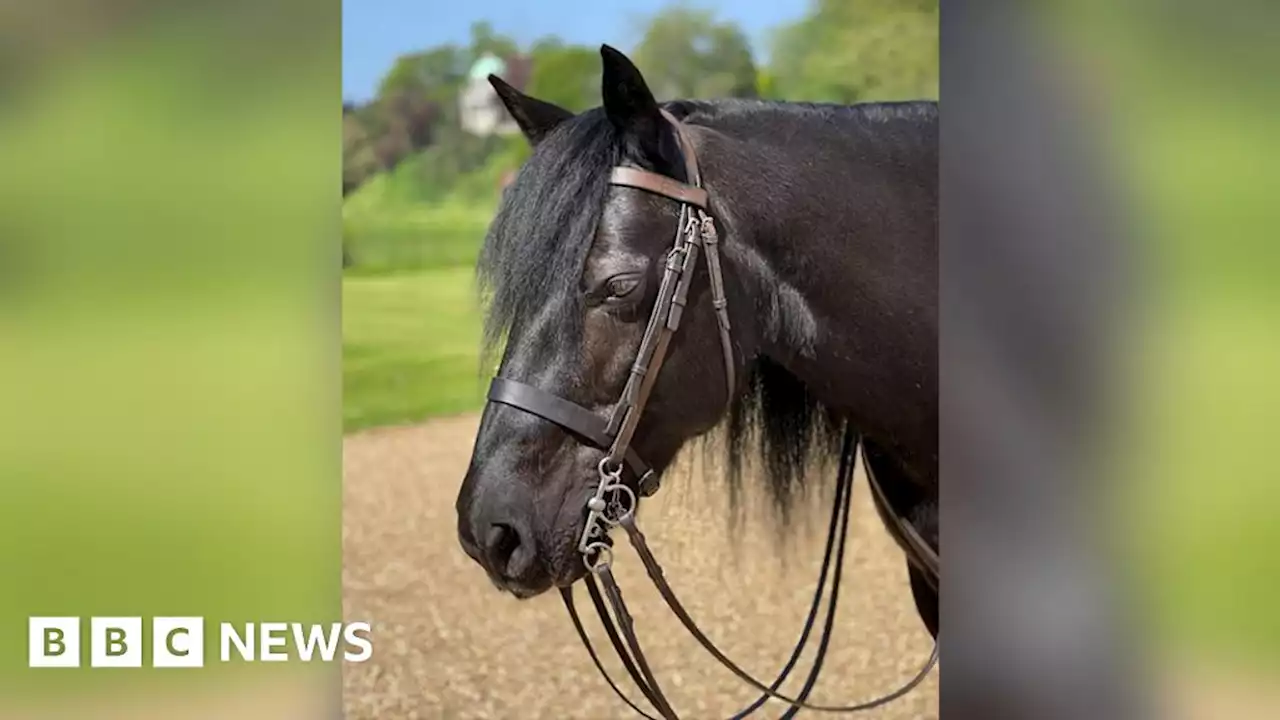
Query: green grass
{"points": [[415, 237], [410, 347], [418, 217]]}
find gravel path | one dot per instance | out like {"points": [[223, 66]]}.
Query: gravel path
{"points": [[448, 645]]}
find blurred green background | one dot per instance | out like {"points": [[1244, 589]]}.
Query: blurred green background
{"points": [[169, 336], [1190, 128]]}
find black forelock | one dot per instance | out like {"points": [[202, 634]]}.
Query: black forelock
{"points": [[538, 242]]}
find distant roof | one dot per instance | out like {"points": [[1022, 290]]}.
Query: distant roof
{"points": [[488, 64]]}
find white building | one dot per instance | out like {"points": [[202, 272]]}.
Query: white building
{"points": [[480, 110]]}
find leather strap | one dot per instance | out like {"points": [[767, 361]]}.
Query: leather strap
{"points": [[659, 184], [837, 527], [719, 302], [627, 625], [652, 352], [566, 593], [570, 416], [693, 175], [690, 192], [796, 703], [668, 595], [711, 240], [690, 234], [918, 552]]}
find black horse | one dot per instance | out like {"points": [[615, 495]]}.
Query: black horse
{"points": [[828, 218]]}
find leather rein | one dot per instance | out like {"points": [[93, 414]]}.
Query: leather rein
{"points": [[614, 502]]}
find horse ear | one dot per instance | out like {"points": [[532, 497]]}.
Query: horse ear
{"points": [[536, 118], [629, 103]]}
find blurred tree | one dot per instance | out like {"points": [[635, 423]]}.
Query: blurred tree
{"points": [[567, 75], [358, 159], [427, 71], [687, 53], [392, 145], [843, 51], [858, 51], [546, 43], [485, 40], [393, 125], [434, 75], [415, 113], [766, 83]]}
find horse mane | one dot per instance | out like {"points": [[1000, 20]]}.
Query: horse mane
{"points": [[544, 228], [780, 423]]}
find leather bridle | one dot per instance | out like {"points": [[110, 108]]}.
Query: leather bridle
{"points": [[696, 229], [614, 502]]}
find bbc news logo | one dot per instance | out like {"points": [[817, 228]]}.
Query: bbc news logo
{"points": [[178, 642]]}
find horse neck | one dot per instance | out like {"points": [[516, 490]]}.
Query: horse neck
{"points": [[831, 245]]}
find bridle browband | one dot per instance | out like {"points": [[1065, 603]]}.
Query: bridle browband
{"points": [[614, 502]]}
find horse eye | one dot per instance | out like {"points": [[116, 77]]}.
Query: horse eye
{"points": [[622, 285]]}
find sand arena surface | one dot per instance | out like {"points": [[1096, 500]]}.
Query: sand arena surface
{"points": [[448, 645]]}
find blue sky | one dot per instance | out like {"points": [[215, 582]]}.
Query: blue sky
{"points": [[375, 32]]}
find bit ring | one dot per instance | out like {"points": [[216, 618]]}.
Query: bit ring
{"points": [[620, 506], [606, 472], [598, 557]]}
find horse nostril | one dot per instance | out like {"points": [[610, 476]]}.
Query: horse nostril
{"points": [[467, 540], [502, 546]]}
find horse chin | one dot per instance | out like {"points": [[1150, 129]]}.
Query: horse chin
{"points": [[569, 573], [563, 561], [523, 593], [565, 564]]}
